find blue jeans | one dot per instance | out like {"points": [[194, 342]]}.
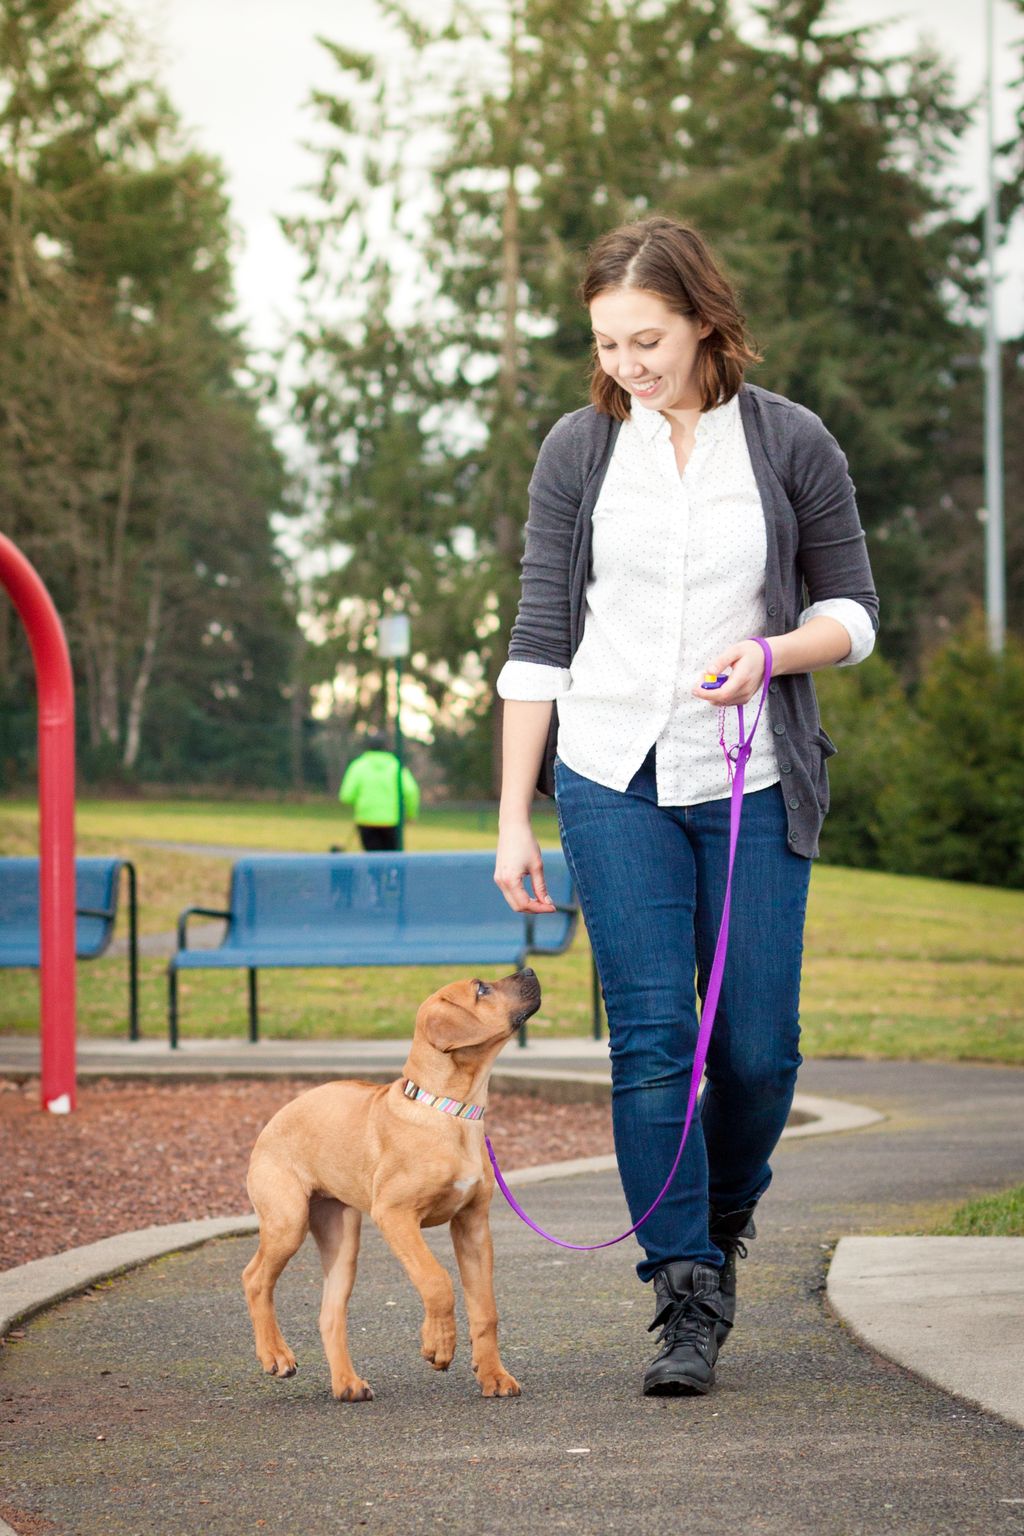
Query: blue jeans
{"points": [[651, 882]]}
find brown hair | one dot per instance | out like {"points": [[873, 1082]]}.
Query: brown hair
{"points": [[662, 256]]}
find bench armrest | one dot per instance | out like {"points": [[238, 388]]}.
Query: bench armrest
{"points": [[196, 912]]}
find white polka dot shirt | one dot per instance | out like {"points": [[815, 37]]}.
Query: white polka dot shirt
{"points": [[678, 575]]}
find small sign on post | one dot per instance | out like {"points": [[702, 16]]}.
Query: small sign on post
{"points": [[392, 645], [393, 636]]}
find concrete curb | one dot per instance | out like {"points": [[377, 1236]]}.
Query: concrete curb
{"points": [[814, 1116], [565, 1057], [917, 1299], [811, 1116], [29, 1288]]}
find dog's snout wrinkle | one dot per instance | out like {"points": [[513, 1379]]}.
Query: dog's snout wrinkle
{"points": [[522, 1014]]}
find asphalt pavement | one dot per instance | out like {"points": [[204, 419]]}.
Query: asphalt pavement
{"points": [[139, 1407]]}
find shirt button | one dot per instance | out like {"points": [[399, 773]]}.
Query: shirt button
{"points": [[792, 837], [786, 767], [780, 730], [773, 687], [794, 803], [772, 611]]}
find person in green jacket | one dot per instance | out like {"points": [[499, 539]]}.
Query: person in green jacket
{"points": [[370, 787]]}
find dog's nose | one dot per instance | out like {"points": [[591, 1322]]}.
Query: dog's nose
{"points": [[528, 971]]}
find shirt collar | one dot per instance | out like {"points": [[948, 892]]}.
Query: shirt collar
{"points": [[652, 425]]}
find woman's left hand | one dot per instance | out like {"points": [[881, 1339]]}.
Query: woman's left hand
{"points": [[745, 664]]}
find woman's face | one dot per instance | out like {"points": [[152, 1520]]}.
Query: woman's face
{"points": [[648, 348]]}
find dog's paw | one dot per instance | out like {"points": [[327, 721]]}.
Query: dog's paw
{"points": [[438, 1343], [279, 1362], [352, 1389], [498, 1383]]}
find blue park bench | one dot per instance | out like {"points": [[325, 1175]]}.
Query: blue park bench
{"points": [[372, 909], [97, 883]]}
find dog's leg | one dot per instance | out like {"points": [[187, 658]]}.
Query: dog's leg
{"points": [[336, 1229], [283, 1209], [471, 1238], [401, 1230]]}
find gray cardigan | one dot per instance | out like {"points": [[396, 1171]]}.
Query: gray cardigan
{"points": [[815, 540]]}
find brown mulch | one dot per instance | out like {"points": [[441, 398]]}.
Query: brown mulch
{"points": [[135, 1154]]}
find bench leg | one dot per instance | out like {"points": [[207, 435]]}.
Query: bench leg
{"points": [[172, 1006], [520, 965], [254, 1017], [133, 954]]}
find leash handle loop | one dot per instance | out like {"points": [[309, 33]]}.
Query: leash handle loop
{"points": [[707, 1014]]}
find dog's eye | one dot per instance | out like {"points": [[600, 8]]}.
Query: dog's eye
{"points": [[482, 989]]}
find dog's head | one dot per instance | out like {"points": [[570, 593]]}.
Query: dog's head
{"points": [[468, 1014]]}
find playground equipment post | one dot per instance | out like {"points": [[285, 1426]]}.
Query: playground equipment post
{"points": [[56, 695]]}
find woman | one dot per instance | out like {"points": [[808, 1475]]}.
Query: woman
{"points": [[672, 520]]}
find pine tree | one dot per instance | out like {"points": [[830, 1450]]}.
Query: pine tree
{"points": [[133, 466], [863, 316], [551, 128], [816, 170]]}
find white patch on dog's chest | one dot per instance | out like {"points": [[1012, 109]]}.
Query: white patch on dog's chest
{"points": [[464, 1184]]}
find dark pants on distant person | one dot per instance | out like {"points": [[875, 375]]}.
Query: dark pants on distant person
{"points": [[379, 839], [651, 883]]}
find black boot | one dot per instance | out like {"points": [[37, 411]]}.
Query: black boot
{"points": [[689, 1307], [727, 1230]]}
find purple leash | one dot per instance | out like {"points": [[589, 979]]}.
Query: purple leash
{"points": [[737, 758]]}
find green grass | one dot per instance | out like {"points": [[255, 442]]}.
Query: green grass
{"points": [[895, 967], [992, 1216], [302, 828]]}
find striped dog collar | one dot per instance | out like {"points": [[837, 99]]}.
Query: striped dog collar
{"points": [[450, 1106]]}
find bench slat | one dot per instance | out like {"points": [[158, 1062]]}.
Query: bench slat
{"points": [[293, 958], [96, 887], [310, 910]]}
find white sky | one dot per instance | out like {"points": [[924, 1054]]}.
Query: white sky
{"points": [[240, 72]]}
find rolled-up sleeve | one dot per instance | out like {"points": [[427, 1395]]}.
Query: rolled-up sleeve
{"points": [[532, 682], [854, 618]]}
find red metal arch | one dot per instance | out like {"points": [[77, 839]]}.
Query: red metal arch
{"points": [[56, 824]]}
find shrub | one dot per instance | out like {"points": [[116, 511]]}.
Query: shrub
{"points": [[931, 784], [865, 710], [953, 806]]}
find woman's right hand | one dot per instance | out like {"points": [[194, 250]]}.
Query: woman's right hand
{"points": [[518, 855]]}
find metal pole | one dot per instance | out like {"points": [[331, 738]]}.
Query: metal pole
{"points": [[995, 554], [55, 688], [393, 643], [398, 752]]}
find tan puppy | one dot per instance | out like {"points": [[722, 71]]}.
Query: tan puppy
{"points": [[349, 1147]]}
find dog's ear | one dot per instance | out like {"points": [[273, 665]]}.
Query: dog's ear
{"points": [[449, 1026]]}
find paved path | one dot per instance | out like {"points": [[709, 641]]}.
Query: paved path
{"points": [[141, 1409]]}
